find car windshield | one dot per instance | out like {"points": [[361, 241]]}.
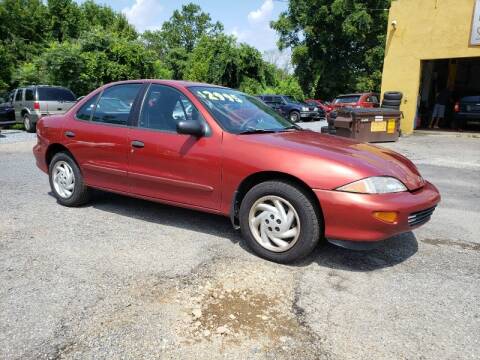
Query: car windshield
{"points": [[54, 94], [239, 113], [290, 100], [347, 99]]}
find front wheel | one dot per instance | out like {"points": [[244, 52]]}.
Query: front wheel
{"points": [[279, 221], [294, 116], [66, 181]]}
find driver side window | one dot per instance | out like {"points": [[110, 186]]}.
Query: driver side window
{"points": [[164, 107]]}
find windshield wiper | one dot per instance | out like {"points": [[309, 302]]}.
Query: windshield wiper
{"points": [[293, 127], [258, 131]]}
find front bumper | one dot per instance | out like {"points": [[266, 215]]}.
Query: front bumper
{"points": [[348, 216], [309, 114], [465, 116]]}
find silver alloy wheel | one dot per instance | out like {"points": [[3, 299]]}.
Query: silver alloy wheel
{"points": [[63, 179], [274, 223], [294, 117]]}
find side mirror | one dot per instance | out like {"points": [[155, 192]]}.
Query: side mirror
{"points": [[191, 127]]}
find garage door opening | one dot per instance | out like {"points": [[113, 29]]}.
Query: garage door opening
{"points": [[454, 83]]}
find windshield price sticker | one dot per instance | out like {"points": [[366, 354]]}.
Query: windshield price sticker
{"points": [[216, 96]]}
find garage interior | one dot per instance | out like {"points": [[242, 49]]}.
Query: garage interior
{"points": [[461, 76]]}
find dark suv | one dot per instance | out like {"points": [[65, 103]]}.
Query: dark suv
{"points": [[7, 113], [32, 102], [291, 108]]}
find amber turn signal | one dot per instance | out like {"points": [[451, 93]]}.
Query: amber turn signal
{"points": [[390, 217]]}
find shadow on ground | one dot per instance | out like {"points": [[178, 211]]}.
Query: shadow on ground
{"points": [[389, 253]]}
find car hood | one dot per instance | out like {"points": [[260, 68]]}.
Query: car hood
{"points": [[366, 159]]}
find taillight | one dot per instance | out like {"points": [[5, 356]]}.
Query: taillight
{"points": [[456, 108], [36, 105]]}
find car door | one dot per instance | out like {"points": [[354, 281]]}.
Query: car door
{"points": [[18, 105], [97, 136], [168, 166]]}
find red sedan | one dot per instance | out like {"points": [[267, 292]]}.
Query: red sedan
{"points": [[218, 150], [362, 100]]}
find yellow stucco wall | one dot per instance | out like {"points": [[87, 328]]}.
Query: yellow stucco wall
{"points": [[425, 30]]}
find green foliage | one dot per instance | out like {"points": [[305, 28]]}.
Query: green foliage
{"points": [[187, 26], [85, 45], [29, 73], [337, 45]]}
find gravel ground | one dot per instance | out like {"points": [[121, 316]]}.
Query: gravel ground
{"points": [[128, 279], [13, 136]]}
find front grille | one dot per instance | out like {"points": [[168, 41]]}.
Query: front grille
{"points": [[420, 217]]}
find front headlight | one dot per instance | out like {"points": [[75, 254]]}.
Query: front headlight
{"points": [[315, 109], [304, 108], [374, 185]]}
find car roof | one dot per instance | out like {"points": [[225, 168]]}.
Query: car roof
{"points": [[181, 83], [357, 94]]}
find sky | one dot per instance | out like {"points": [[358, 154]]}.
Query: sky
{"points": [[248, 20]]}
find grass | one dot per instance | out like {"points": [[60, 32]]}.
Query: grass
{"points": [[17, 127]]}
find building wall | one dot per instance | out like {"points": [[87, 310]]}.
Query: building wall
{"points": [[425, 30]]}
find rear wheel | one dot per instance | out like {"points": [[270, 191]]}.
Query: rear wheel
{"points": [[28, 124], [279, 221], [295, 116], [66, 181]]}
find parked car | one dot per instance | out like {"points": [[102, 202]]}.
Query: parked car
{"points": [[363, 100], [32, 102], [467, 110], [7, 112], [292, 109], [325, 106], [286, 188]]}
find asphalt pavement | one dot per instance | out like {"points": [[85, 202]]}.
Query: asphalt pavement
{"points": [[122, 278]]}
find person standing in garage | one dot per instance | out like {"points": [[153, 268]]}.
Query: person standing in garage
{"points": [[441, 102]]}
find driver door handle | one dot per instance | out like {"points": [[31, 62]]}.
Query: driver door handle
{"points": [[69, 134], [137, 144]]}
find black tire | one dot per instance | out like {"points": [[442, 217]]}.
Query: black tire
{"points": [[81, 193], [28, 124], [311, 224], [391, 102], [294, 116], [392, 95], [393, 107]]}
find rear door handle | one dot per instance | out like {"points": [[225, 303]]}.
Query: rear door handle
{"points": [[137, 144], [69, 134]]}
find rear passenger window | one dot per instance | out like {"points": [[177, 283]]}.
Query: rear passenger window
{"points": [[29, 95], [55, 94], [18, 96], [116, 103], [86, 111]]}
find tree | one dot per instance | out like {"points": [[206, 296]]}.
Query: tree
{"points": [[214, 60], [66, 19], [187, 26], [337, 45]]}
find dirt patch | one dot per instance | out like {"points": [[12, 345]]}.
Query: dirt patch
{"points": [[240, 308], [224, 309], [464, 245]]}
